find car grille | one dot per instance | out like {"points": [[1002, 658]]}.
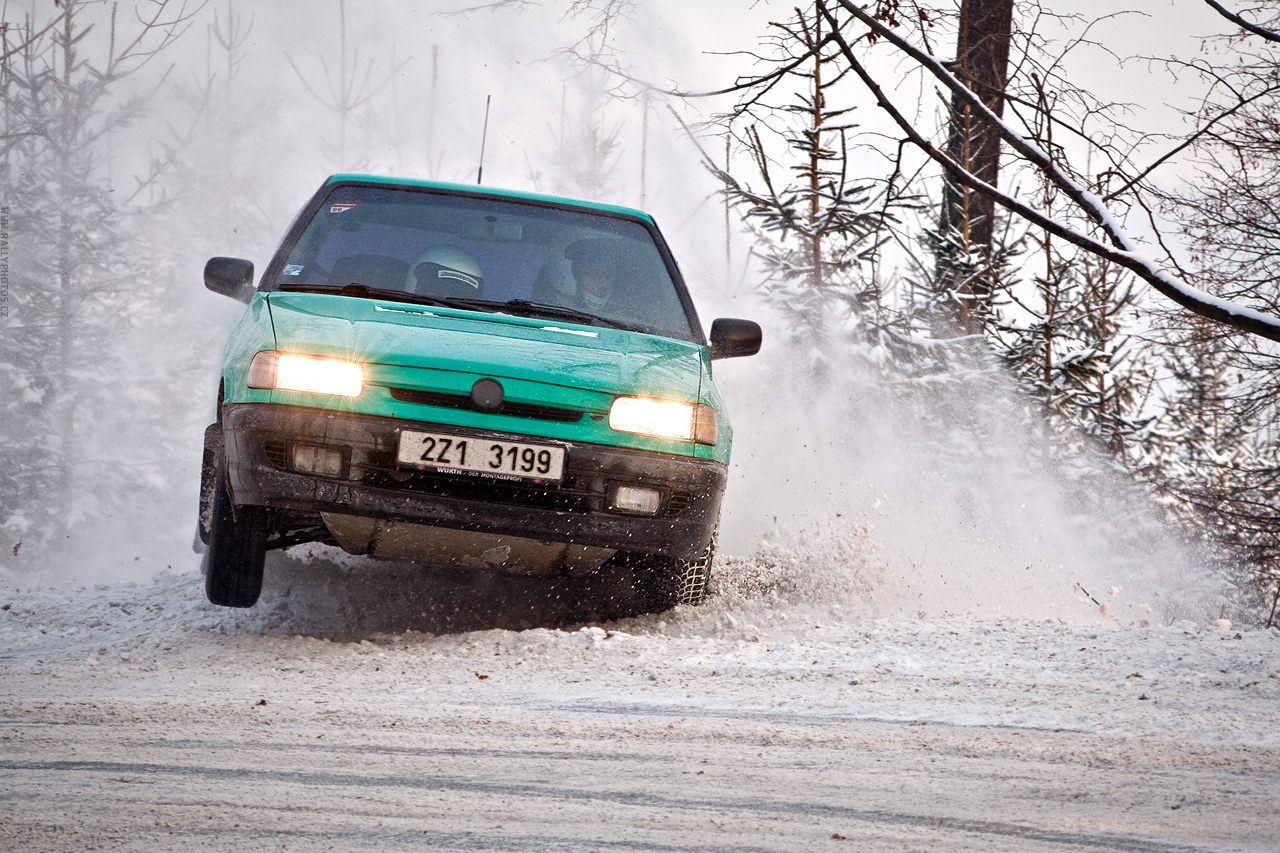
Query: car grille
{"points": [[463, 401], [575, 494], [581, 490]]}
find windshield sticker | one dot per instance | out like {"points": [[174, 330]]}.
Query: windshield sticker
{"points": [[293, 269], [342, 206]]}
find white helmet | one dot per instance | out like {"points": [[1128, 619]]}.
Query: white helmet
{"points": [[445, 271]]}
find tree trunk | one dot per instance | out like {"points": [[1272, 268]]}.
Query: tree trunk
{"points": [[968, 217]]}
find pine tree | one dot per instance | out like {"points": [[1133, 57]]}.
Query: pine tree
{"points": [[586, 144], [1069, 347], [74, 290], [817, 229]]}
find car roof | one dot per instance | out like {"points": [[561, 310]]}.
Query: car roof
{"points": [[492, 192]]}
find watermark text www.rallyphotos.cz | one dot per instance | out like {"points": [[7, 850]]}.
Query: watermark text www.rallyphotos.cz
{"points": [[4, 262]]}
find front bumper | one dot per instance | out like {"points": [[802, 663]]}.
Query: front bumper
{"points": [[259, 438]]}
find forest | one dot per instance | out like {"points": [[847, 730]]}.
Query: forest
{"points": [[940, 199]]}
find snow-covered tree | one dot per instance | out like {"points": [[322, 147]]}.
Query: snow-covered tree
{"points": [[1070, 344], [1221, 401], [347, 86], [967, 222], [817, 223], [585, 142], [75, 288]]}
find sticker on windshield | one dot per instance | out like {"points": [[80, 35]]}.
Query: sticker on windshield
{"points": [[342, 206], [293, 269]]}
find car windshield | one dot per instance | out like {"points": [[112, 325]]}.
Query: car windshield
{"points": [[488, 254]]}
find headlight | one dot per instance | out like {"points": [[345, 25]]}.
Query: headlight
{"points": [[292, 372], [665, 418]]}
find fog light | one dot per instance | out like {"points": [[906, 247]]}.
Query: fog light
{"points": [[637, 499], [312, 459]]}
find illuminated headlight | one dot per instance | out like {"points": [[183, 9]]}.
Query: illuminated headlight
{"points": [[292, 372], [665, 418]]}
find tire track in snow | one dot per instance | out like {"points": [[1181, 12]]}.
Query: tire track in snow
{"points": [[753, 806]]}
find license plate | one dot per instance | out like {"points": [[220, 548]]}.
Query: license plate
{"points": [[486, 457]]}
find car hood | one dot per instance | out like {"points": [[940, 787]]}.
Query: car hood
{"points": [[377, 331]]}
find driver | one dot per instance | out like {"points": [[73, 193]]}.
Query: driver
{"points": [[445, 271], [595, 270]]}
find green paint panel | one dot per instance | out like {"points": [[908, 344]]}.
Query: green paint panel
{"points": [[445, 351], [420, 361]]}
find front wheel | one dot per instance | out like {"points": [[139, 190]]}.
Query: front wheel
{"points": [[692, 578], [237, 549], [671, 582]]}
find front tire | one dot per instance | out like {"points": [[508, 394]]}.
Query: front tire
{"points": [[237, 549], [667, 582], [692, 578], [210, 470]]}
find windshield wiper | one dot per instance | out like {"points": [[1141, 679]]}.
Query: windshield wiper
{"points": [[516, 307], [529, 308], [363, 291]]}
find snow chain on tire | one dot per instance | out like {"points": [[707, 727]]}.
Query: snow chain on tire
{"points": [[693, 577]]}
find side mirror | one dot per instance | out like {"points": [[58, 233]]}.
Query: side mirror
{"points": [[733, 338], [231, 277]]}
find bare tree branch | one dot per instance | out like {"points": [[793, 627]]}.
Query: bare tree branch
{"points": [[1187, 143], [31, 38], [1125, 253], [1262, 32]]}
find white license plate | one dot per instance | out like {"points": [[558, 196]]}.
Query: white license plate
{"points": [[487, 457]]}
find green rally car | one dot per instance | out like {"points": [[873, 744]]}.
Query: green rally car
{"points": [[468, 376]]}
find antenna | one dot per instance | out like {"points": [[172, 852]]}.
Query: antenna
{"points": [[484, 135]]}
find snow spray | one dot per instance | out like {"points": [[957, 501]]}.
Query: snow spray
{"points": [[949, 497]]}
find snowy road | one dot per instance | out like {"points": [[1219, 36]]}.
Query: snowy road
{"points": [[136, 717]]}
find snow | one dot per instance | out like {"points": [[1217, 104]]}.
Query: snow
{"points": [[368, 705]]}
